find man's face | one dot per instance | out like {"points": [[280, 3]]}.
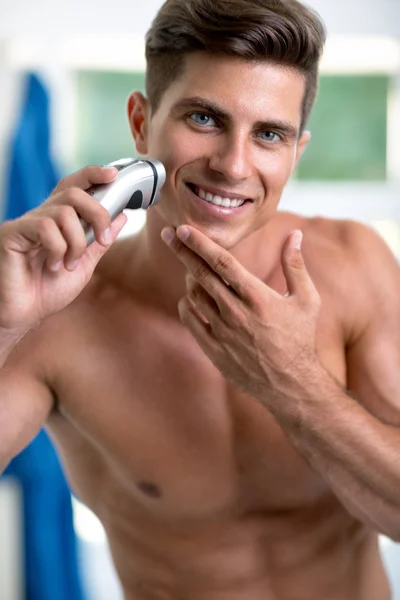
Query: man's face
{"points": [[227, 132]]}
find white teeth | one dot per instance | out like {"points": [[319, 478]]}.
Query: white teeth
{"points": [[218, 201]]}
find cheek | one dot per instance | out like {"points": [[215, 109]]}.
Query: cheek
{"points": [[278, 169], [174, 146]]}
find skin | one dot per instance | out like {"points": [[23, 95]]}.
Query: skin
{"points": [[195, 384]]}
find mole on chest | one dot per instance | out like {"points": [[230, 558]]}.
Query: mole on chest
{"points": [[203, 463]]}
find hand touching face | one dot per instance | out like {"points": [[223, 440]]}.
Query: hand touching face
{"points": [[257, 338]]}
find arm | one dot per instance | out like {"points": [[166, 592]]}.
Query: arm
{"points": [[265, 344], [44, 264], [357, 441], [25, 402]]}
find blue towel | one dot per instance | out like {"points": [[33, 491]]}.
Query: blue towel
{"points": [[32, 172], [50, 543]]}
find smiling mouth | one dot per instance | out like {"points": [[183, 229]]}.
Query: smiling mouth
{"points": [[216, 199]]}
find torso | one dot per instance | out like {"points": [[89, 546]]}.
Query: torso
{"points": [[201, 493]]}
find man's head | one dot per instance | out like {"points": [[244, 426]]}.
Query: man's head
{"points": [[281, 31], [230, 85]]}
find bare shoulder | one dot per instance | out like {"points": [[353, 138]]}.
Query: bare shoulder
{"points": [[352, 263], [351, 249]]}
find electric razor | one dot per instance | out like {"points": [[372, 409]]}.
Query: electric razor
{"points": [[137, 185]]}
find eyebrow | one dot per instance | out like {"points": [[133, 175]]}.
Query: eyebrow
{"points": [[271, 124]]}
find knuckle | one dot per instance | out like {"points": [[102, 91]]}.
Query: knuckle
{"points": [[257, 304], [222, 262], [201, 272], [45, 224], [67, 196], [297, 262], [73, 193], [65, 213]]}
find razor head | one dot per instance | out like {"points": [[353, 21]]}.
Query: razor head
{"points": [[139, 197], [137, 185]]}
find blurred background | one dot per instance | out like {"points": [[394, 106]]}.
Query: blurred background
{"points": [[66, 70]]}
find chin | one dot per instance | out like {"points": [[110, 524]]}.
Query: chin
{"points": [[223, 236], [228, 236]]}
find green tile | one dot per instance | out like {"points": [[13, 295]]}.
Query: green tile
{"points": [[103, 132], [349, 130]]}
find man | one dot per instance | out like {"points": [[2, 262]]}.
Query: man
{"points": [[227, 403]]}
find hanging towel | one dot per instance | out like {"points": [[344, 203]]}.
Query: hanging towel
{"points": [[51, 569], [32, 172]]}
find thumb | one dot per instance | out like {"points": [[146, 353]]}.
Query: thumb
{"points": [[95, 251], [297, 278]]}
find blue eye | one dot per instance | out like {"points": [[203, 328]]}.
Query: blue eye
{"points": [[269, 136], [202, 119]]}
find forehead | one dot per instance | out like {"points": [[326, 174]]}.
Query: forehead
{"points": [[243, 88]]}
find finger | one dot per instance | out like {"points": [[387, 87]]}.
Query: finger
{"points": [[87, 208], [200, 330], [95, 251], [204, 304], [42, 232], [298, 280], [68, 223], [220, 261], [200, 270], [190, 282], [85, 178]]}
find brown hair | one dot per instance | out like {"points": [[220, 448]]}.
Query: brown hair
{"points": [[281, 31]]}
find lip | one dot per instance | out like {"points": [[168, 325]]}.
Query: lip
{"points": [[212, 210], [216, 192]]}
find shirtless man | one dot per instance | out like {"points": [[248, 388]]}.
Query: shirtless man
{"points": [[227, 404]]}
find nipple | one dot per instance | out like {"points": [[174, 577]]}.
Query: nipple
{"points": [[149, 489]]}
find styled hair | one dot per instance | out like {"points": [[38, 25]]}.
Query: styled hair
{"points": [[285, 32]]}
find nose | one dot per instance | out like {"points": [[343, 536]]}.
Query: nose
{"points": [[232, 158]]}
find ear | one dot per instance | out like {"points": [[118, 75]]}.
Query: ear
{"points": [[301, 146], [138, 115]]}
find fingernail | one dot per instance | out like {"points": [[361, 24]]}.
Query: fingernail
{"points": [[297, 239], [106, 237], [73, 266], [183, 232], [167, 235]]}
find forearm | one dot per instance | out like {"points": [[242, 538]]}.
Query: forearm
{"points": [[354, 452]]}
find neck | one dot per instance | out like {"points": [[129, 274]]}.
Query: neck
{"points": [[161, 276]]}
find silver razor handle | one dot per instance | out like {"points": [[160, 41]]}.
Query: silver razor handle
{"points": [[137, 185]]}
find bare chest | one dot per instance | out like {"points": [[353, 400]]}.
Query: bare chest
{"points": [[155, 420]]}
